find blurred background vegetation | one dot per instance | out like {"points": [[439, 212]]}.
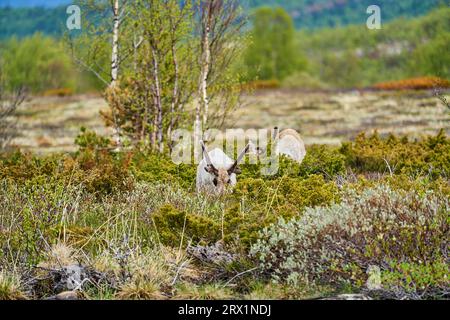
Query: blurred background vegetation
{"points": [[293, 44]]}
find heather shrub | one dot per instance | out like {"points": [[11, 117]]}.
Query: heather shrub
{"points": [[319, 160], [376, 227], [257, 203], [94, 165], [152, 167], [430, 156], [402, 182], [323, 160], [173, 226]]}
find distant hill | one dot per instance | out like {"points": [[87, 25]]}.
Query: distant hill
{"points": [[25, 17], [331, 13], [22, 22], [32, 3], [353, 56]]}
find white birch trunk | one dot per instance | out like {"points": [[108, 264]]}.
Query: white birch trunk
{"points": [[206, 62], [159, 116], [115, 44]]}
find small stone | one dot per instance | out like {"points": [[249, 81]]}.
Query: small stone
{"points": [[350, 297], [66, 295]]}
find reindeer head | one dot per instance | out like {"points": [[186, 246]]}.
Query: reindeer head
{"points": [[222, 176]]}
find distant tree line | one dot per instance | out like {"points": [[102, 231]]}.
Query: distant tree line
{"points": [[314, 14], [351, 56], [311, 14]]}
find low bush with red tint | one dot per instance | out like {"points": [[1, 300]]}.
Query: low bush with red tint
{"points": [[59, 92], [422, 83]]}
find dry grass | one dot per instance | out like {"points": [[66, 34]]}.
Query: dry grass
{"points": [[204, 292], [11, 286], [330, 118], [49, 124]]}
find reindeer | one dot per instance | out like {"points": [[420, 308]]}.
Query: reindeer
{"points": [[288, 142], [216, 172]]}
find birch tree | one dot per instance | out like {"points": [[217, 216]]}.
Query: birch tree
{"points": [[103, 29], [220, 25], [153, 93]]}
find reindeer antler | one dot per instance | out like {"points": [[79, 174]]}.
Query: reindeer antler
{"points": [[210, 167], [239, 159]]}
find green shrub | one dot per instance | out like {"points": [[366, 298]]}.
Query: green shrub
{"points": [[32, 214], [256, 203], [403, 182], [100, 169], [429, 278], [38, 63], [430, 156], [173, 225], [324, 160], [94, 165], [319, 160], [20, 167], [90, 140], [152, 167], [337, 244], [303, 80]]}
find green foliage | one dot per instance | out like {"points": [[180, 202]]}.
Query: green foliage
{"points": [[151, 167], [38, 63], [321, 13], [310, 225], [256, 203], [419, 276], [430, 156], [272, 53], [402, 182], [173, 225], [354, 56], [33, 214], [42, 65], [90, 140], [324, 160], [432, 58], [100, 170], [95, 166], [303, 79], [339, 243], [23, 22]]}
